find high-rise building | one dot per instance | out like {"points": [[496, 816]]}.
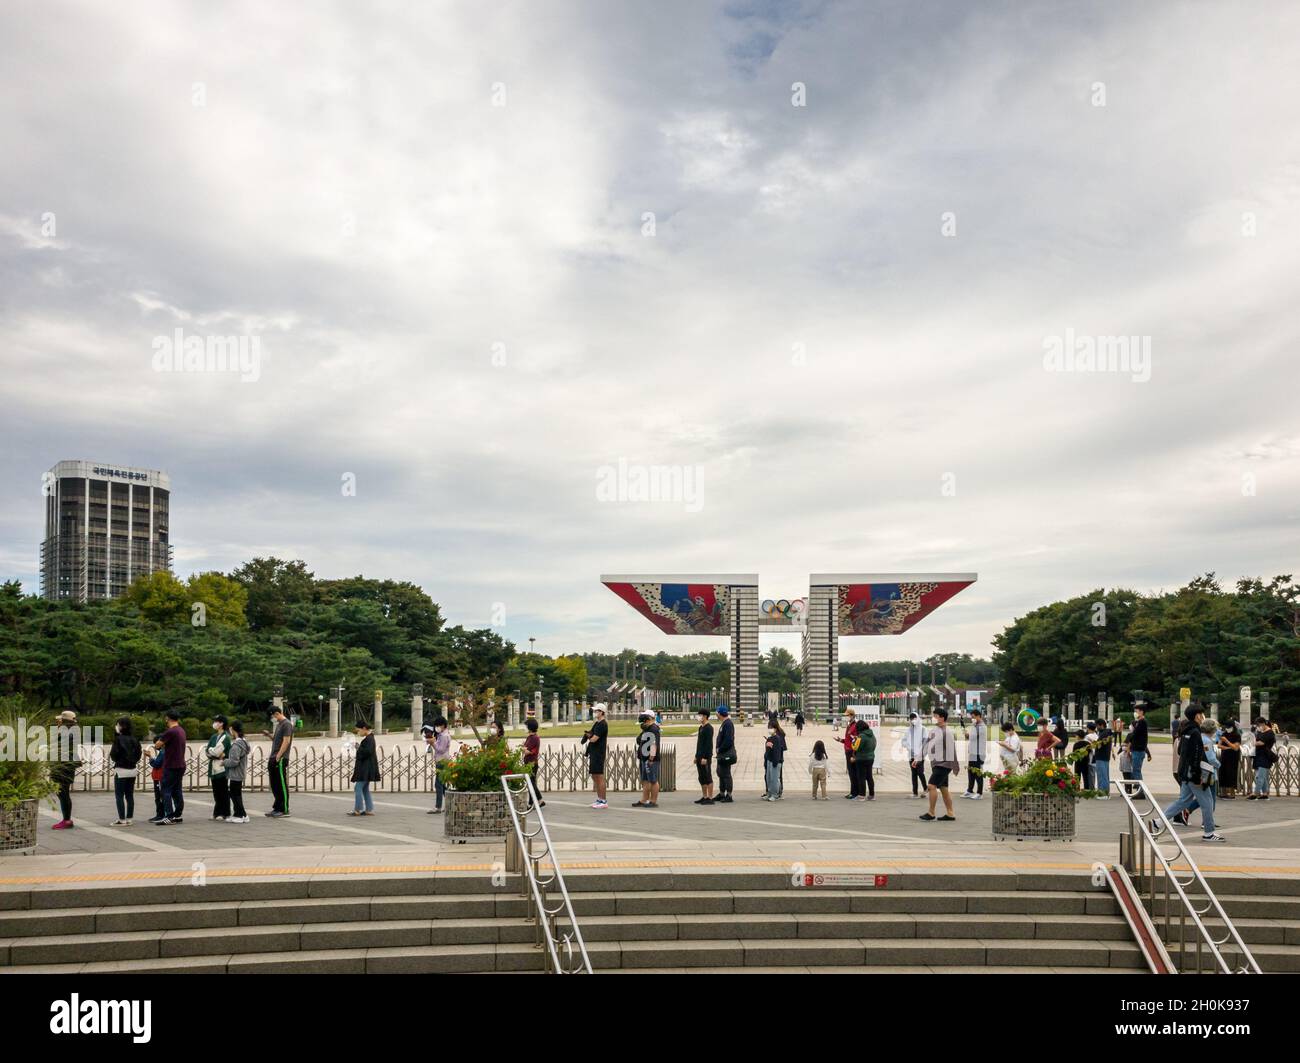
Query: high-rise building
{"points": [[105, 525]]}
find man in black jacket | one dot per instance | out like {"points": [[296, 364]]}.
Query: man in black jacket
{"points": [[1138, 742], [704, 757], [1188, 753], [726, 751]]}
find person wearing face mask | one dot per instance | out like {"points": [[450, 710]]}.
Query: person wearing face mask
{"points": [[647, 754], [439, 743], [914, 747], [725, 749], [218, 747], [365, 771], [236, 763], [941, 748], [125, 757], [773, 759]]}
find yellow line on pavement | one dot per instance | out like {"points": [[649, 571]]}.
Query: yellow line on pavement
{"points": [[880, 865]]}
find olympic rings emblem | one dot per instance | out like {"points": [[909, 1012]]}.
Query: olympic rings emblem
{"points": [[783, 607]]}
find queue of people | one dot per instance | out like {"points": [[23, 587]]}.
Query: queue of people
{"points": [[226, 753]]}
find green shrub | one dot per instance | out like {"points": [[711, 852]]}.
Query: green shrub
{"points": [[22, 779]]}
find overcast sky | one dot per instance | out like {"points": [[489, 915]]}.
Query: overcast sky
{"points": [[433, 217]]}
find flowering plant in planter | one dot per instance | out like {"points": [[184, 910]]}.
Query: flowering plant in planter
{"points": [[479, 768], [1043, 776]]}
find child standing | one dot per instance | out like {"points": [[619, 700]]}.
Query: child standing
{"points": [[819, 767]]}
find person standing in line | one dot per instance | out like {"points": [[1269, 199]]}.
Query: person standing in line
{"points": [[704, 757], [236, 768], [941, 749], [63, 770], [1047, 742], [725, 751], [1137, 741], [773, 758], [1009, 747], [365, 770], [1083, 766], [440, 750], [156, 776], [533, 756], [277, 765], [850, 735], [1229, 750], [976, 752], [864, 760], [1101, 759], [217, 748], [172, 743], [798, 723], [1062, 736], [647, 755], [1265, 741], [914, 746], [1248, 758], [593, 741], [819, 767], [124, 754]]}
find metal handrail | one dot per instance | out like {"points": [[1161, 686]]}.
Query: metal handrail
{"points": [[1146, 829], [565, 952]]}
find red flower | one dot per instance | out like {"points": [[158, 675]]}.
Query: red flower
{"points": [[1061, 785]]}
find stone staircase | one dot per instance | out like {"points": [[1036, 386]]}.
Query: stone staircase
{"points": [[633, 922]]}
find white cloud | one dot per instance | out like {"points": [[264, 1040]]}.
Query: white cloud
{"points": [[349, 192]]}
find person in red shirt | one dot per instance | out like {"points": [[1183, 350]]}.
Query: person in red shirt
{"points": [[850, 733], [1046, 740], [532, 752]]}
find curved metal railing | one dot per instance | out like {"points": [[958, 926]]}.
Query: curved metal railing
{"points": [[1140, 855], [563, 948]]}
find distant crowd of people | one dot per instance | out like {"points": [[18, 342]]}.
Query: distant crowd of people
{"points": [[1209, 759]]}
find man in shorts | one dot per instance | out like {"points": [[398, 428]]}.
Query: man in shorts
{"points": [[595, 739], [647, 755], [704, 757], [941, 748]]}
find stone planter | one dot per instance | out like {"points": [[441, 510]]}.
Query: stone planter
{"points": [[18, 827], [476, 814], [1033, 816]]}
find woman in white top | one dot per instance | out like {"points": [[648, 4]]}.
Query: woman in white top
{"points": [[1248, 756], [1009, 748]]}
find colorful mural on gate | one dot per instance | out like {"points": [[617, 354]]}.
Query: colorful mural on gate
{"points": [[890, 608], [680, 608]]}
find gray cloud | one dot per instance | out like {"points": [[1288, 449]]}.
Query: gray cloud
{"points": [[797, 325]]}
